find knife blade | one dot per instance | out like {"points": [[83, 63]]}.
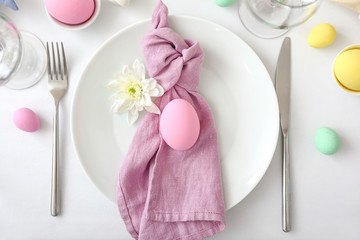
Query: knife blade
{"points": [[282, 86]]}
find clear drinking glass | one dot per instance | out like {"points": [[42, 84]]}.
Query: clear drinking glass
{"points": [[22, 56], [272, 18]]}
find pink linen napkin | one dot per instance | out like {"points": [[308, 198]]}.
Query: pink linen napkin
{"points": [[163, 193]]}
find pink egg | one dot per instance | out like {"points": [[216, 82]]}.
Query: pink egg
{"points": [[70, 12], [179, 124], [26, 120]]}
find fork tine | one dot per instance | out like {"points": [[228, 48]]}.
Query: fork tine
{"points": [[60, 76], [55, 73], [48, 60], [64, 61]]}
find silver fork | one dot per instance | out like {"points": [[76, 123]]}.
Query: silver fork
{"points": [[57, 84]]}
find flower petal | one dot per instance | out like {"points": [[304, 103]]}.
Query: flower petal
{"points": [[156, 92], [132, 105], [153, 109], [139, 68], [148, 101], [120, 106], [148, 84], [126, 70], [142, 100], [123, 95], [152, 83], [133, 115], [161, 90], [144, 85], [113, 84], [153, 92], [138, 106]]}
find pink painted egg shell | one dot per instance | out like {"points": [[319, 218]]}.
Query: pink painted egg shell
{"points": [[179, 125], [70, 12], [25, 119]]}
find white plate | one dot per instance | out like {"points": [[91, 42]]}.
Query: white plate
{"points": [[234, 82]]}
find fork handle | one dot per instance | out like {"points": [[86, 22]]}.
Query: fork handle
{"points": [[55, 201]]}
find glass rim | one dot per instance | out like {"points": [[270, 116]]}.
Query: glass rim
{"points": [[297, 6]]}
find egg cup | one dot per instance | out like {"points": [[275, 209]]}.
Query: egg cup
{"points": [[77, 26], [356, 92]]}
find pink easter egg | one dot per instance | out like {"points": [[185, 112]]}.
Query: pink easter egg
{"points": [[25, 119], [179, 125], [70, 12]]}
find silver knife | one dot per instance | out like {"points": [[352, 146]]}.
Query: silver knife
{"points": [[282, 85]]}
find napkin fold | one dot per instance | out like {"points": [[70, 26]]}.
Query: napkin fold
{"points": [[163, 193]]}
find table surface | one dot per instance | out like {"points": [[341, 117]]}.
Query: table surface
{"points": [[325, 189]]}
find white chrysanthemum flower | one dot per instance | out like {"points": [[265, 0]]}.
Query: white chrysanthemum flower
{"points": [[133, 92]]}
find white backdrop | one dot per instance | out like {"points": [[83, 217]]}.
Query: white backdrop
{"points": [[325, 189]]}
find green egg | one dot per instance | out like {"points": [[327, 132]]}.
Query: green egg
{"points": [[224, 3], [327, 141]]}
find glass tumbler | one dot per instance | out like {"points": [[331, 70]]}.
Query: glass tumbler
{"points": [[22, 56], [273, 18]]}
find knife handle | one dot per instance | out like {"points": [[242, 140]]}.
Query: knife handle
{"points": [[285, 185]]}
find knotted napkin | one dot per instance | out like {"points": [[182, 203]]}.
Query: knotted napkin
{"points": [[163, 193]]}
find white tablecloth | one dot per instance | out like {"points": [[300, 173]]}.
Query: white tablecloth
{"points": [[325, 189]]}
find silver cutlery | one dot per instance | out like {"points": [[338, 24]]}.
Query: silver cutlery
{"points": [[57, 85], [282, 85]]}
